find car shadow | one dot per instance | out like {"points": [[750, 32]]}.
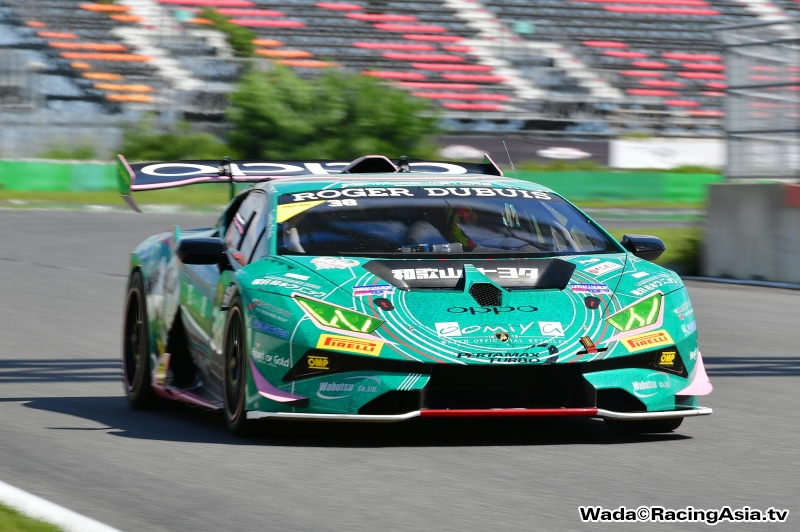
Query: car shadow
{"points": [[176, 422]]}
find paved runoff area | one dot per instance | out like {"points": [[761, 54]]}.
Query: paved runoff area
{"points": [[69, 436]]}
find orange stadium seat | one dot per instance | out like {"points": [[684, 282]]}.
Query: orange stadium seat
{"points": [[267, 42], [102, 76], [285, 54], [94, 46], [123, 88], [56, 35], [422, 28], [108, 8]]}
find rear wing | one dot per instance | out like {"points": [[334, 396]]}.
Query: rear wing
{"points": [[156, 176]]}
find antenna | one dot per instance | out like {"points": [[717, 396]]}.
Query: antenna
{"points": [[225, 171], [509, 160]]}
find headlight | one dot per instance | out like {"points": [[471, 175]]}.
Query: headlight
{"points": [[338, 317], [640, 314]]}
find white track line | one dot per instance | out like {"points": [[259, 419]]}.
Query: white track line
{"points": [[38, 508]]}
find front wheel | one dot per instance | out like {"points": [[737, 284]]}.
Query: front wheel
{"points": [[234, 382], [136, 371], [647, 426]]}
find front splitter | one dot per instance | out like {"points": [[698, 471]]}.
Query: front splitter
{"points": [[492, 412]]}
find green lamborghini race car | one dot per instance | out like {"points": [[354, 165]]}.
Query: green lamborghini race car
{"points": [[379, 290]]}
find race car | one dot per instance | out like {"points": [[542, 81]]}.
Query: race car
{"points": [[384, 290]]}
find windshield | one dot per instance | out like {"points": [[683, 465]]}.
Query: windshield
{"points": [[357, 221]]}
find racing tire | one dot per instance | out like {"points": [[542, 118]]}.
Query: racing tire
{"points": [[234, 380], [648, 426], [136, 368]]}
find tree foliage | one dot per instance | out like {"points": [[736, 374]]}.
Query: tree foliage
{"points": [[239, 37], [143, 142], [278, 115]]}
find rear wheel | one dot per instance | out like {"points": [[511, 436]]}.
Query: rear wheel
{"points": [[648, 426], [136, 370], [234, 381]]}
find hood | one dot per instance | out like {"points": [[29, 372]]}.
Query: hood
{"points": [[487, 311]]}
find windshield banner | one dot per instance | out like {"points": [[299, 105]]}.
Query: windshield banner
{"points": [[510, 274]]}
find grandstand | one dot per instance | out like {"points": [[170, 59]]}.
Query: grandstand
{"points": [[595, 67]]}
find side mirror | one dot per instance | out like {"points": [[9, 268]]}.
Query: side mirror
{"points": [[644, 246], [203, 250]]}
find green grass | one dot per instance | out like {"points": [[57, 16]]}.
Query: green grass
{"points": [[201, 195], [195, 196], [13, 521], [638, 205], [683, 246]]}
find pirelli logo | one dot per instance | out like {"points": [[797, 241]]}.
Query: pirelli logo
{"points": [[647, 340], [349, 345]]}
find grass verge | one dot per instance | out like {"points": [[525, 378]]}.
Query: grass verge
{"points": [[195, 196], [13, 521], [217, 194]]}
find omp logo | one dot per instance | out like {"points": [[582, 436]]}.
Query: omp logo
{"points": [[317, 362], [667, 358], [647, 340], [349, 345]]}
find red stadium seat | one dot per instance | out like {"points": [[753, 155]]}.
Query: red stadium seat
{"points": [[210, 3], [236, 12], [681, 103], [410, 76], [437, 58], [605, 44], [374, 17], [651, 92], [338, 6], [422, 28], [717, 85], [661, 83], [713, 93], [698, 3], [457, 48]]}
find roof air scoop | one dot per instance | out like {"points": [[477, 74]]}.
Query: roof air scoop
{"points": [[482, 289], [370, 164]]}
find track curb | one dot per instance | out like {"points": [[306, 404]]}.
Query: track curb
{"points": [[44, 510]]}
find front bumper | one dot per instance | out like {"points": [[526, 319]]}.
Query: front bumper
{"points": [[492, 412]]}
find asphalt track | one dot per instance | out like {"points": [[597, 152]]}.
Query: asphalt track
{"points": [[67, 434]]}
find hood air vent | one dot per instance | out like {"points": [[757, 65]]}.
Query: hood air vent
{"points": [[487, 295]]}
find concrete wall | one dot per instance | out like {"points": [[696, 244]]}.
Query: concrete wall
{"points": [[25, 135], [753, 232]]}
